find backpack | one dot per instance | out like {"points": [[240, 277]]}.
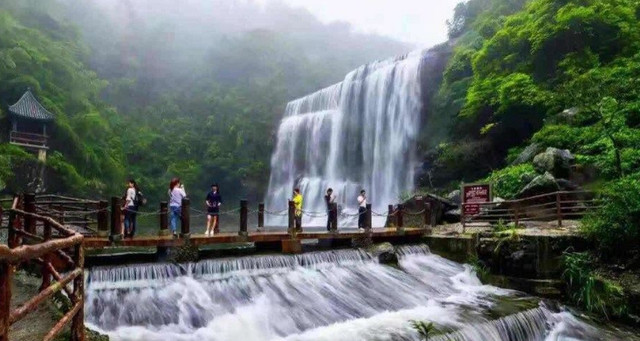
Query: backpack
{"points": [[139, 200]]}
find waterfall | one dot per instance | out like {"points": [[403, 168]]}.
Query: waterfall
{"points": [[335, 295], [357, 134]]}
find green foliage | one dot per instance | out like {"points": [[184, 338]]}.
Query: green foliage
{"points": [[424, 329], [507, 182], [479, 267], [588, 290], [517, 65], [615, 226]]}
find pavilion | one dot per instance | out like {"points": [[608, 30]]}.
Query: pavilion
{"points": [[29, 120]]}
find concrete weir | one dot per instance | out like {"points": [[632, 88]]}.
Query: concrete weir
{"points": [[523, 259]]}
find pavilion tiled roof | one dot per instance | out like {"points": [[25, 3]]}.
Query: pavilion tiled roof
{"points": [[28, 107]]}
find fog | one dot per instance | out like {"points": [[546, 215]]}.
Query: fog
{"points": [[174, 42]]}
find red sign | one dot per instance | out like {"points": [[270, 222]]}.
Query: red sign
{"points": [[474, 193]]}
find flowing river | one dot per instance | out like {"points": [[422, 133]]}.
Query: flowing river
{"points": [[335, 295]]}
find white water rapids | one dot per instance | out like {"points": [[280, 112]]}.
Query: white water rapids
{"points": [[357, 134], [333, 296]]}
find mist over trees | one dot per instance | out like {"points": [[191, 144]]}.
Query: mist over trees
{"points": [[191, 88]]}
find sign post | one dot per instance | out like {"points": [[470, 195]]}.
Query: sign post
{"points": [[472, 196]]}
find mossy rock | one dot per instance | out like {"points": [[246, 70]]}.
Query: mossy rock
{"points": [[184, 254]]}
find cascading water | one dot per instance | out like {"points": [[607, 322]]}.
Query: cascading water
{"points": [[337, 295], [357, 134]]}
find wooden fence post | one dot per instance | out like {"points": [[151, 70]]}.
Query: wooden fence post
{"points": [[164, 219], [367, 218], [291, 215], [116, 220], [46, 259], [30, 207], [400, 218], [260, 215], [516, 217], [334, 217], [12, 242], [558, 209], [391, 216], [6, 278], [426, 215], [77, 324], [243, 218], [185, 220], [103, 218]]}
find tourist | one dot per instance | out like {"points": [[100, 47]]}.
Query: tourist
{"points": [[297, 202], [362, 209], [176, 194], [213, 202], [329, 199], [130, 209]]}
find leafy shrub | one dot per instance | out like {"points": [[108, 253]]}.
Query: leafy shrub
{"points": [[588, 290], [507, 182], [615, 227], [560, 136]]}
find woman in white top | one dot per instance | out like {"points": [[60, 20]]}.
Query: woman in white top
{"points": [[176, 194], [130, 209]]}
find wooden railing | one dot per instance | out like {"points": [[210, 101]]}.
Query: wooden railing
{"points": [[27, 139], [559, 206], [82, 214], [58, 252]]}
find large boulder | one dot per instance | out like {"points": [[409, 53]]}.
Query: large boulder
{"points": [[555, 161], [541, 184], [384, 252], [527, 154]]}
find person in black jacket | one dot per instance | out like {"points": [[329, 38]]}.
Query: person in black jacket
{"points": [[213, 202], [329, 199]]}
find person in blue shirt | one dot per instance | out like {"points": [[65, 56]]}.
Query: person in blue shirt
{"points": [[213, 202]]}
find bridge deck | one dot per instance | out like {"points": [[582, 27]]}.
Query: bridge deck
{"points": [[223, 238]]}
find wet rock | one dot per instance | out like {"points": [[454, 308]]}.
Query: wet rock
{"points": [[452, 216], [455, 197], [527, 154], [567, 185], [568, 115], [541, 184], [555, 161], [385, 252]]}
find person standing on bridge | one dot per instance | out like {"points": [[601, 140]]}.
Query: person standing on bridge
{"points": [[362, 209], [213, 202], [329, 199], [297, 202], [176, 194], [130, 209]]}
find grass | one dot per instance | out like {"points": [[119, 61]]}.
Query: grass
{"points": [[590, 291]]}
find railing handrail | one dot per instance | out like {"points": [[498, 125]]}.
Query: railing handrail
{"points": [[20, 133], [63, 198], [550, 194], [41, 251]]}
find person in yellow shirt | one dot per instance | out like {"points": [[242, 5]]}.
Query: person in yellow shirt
{"points": [[297, 202]]}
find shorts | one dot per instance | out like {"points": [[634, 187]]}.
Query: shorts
{"points": [[213, 212]]}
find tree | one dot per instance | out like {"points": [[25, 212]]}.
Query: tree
{"points": [[613, 125]]}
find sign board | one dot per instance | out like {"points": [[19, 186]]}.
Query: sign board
{"points": [[474, 193]]}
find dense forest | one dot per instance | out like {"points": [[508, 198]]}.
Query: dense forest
{"points": [[137, 94]]}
